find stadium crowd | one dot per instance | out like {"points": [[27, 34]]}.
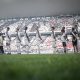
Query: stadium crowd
{"points": [[52, 24]]}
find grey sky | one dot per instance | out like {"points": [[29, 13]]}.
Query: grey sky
{"points": [[26, 8]]}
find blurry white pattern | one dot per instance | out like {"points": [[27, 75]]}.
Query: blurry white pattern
{"points": [[47, 44]]}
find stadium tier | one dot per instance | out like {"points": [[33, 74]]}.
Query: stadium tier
{"points": [[39, 34]]}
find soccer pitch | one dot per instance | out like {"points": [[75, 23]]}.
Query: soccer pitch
{"points": [[40, 67]]}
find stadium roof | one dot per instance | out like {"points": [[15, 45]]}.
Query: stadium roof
{"points": [[27, 8]]}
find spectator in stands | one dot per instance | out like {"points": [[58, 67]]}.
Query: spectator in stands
{"points": [[74, 39], [1, 44], [63, 39]]}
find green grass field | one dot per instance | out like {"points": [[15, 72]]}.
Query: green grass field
{"points": [[40, 67]]}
